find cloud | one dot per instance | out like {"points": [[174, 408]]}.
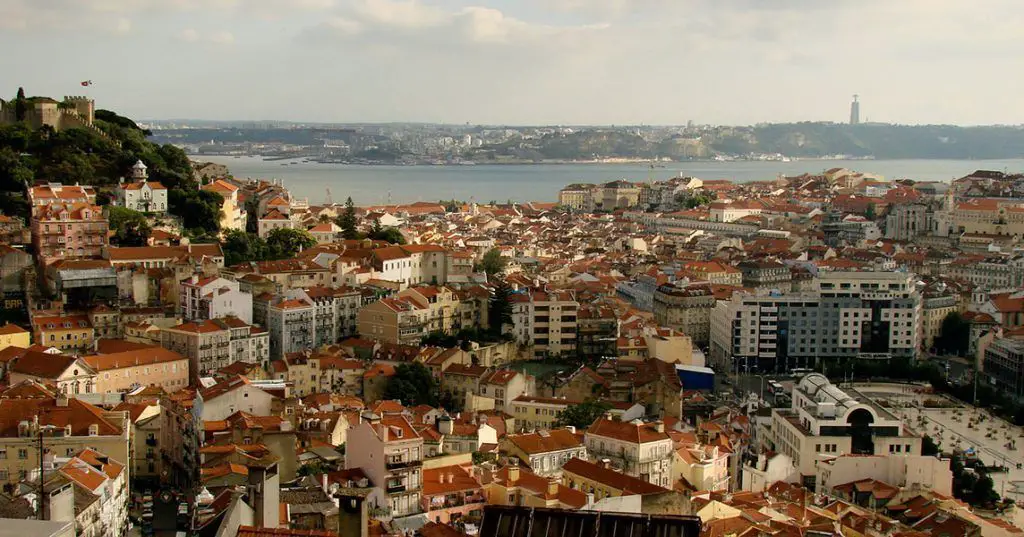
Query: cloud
{"points": [[191, 35], [399, 13]]}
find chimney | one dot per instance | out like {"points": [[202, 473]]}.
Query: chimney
{"points": [[513, 470], [659, 426], [451, 478], [571, 429], [195, 279], [552, 486]]}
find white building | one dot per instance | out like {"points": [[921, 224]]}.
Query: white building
{"points": [[546, 320], [214, 297], [390, 453], [235, 394], [826, 421], [292, 326], [904, 471], [640, 449], [141, 194]]}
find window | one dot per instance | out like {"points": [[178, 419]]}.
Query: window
{"points": [[22, 453]]}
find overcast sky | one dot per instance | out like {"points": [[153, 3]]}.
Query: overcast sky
{"points": [[525, 61]]}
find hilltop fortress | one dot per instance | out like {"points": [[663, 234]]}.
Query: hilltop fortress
{"points": [[72, 112]]}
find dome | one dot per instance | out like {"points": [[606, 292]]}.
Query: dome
{"points": [[139, 165]]}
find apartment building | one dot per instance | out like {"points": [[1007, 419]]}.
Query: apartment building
{"points": [[577, 197], [67, 426], [400, 320], [504, 386], [765, 275], [1004, 365], [232, 211], [64, 332], [104, 478], [292, 326], [867, 315], [826, 420], [214, 297], [142, 366], [213, 344], [65, 222], [639, 449], [452, 493], [546, 320], [714, 272], [336, 311], [686, 308], [390, 454], [537, 413], [545, 451], [702, 467], [599, 479]]}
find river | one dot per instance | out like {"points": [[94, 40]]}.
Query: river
{"points": [[371, 185]]}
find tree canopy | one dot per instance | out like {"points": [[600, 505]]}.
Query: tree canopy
{"points": [[242, 247], [347, 221], [130, 227], [284, 243], [413, 385], [954, 335], [499, 308], [493, 263], [581, 415], [388, 234]]}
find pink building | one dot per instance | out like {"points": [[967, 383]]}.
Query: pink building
{"points": [[68, 231], [452, 493], [66, 223]]}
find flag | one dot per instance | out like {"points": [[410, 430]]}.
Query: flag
{"points": [[87, 82]]}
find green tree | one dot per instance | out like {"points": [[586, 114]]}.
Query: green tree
{"points": [[871, 212], [242, 247], [581, 415], [413, 385], [954, 335], [499, 308], [200, 210], [20, 105], [347, 221], [387, 234], [130, 227], [493, 263], [983, 493], [284, 243], [929, 447]]}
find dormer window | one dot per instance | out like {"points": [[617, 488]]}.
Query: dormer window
{"points": [[94, 430]]}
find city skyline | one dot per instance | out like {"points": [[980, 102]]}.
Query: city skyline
{"points": [[578, 62]]}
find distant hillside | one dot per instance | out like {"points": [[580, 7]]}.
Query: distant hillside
{"points": [[878, 140]]}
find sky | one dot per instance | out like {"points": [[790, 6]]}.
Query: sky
{"points": [[519, 62]]}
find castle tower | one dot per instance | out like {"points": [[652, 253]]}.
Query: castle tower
{"points": [[139, 171], [84, 106]]}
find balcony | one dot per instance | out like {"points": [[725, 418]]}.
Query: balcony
{"points": [[394, 463], [395, 487]]}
